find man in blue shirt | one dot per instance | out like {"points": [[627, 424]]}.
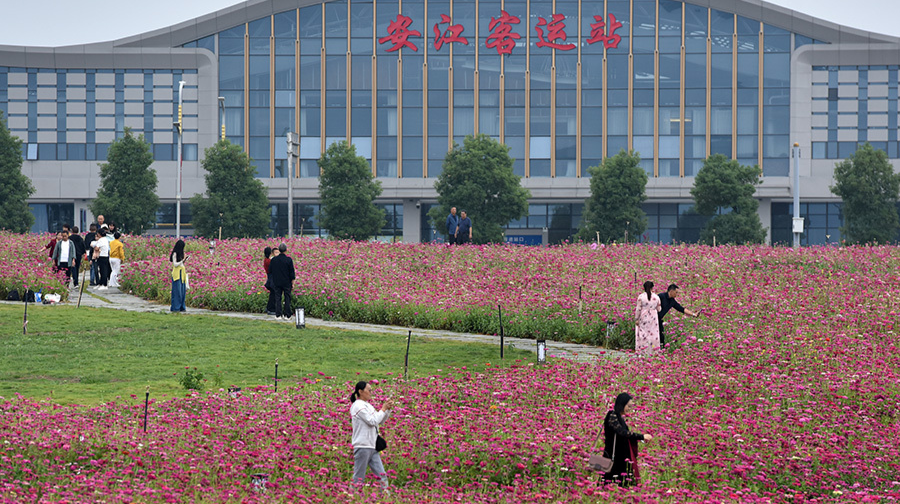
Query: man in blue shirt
{"points": [[452, 226], [464, 233]]}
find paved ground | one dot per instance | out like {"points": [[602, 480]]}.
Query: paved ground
{"points": [[116, 299]]}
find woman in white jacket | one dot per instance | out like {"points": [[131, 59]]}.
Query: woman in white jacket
{"points": [[365, 432]]}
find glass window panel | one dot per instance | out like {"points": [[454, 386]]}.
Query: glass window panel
{"points": [[286, 24], [777, 70], [747, 120], [311, 22], [642, 121], [540, 148], [748, 70], [361, 16], [336, 19], [720, 144], [720, 71], [644, 70], [228, 46], [437, 148], [643, 145], [361, 118], [231, 72], [617, 122], [259, 121]]}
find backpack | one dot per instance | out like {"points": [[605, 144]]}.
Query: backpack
{"points": [[29, 296], [13, 295]]}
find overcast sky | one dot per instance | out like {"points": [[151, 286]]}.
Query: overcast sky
{"points": [[68, 22]]}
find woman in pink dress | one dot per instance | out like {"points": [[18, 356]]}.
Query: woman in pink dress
{"points": [[646, 330]]}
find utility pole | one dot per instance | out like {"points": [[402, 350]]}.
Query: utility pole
{"points": [[179, 127], [292, 141]]}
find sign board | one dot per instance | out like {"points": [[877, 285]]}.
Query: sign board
{"points": [[530, 239]]}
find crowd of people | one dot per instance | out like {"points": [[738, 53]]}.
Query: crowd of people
{"points": [[102, 246]]}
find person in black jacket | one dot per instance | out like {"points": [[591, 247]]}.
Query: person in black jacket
{"points": [[667, 302], [619, 439], [281, 272], [76, 240]]}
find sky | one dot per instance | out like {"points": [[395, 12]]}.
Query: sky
{"points": [[68, 22]]}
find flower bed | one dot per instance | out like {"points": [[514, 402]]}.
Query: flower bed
{"points": [[27, 265]]}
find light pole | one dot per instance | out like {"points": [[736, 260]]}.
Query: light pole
{"points": [[179, 127], [797, 222], [222, 116], [292, 141]]}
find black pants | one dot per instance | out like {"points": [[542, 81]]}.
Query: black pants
{"points": [[75, 270], [462, 239], [282, 291], [662, 334], [451, 239], [270, 304], [105, 270]]}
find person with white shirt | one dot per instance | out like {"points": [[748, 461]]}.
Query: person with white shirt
{"points": [[64, 255], [102, 244], [365, 434]]}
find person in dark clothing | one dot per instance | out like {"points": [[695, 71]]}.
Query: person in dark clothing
{"points": [[464, 235], [621, 440], [282, 274], [88, 238], [667, 302], [270, 305], [452, 225], [78, 242]]}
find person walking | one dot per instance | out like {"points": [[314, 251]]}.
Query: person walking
{"points": [[179, 277], [621, 445], [116, 256], [452, 226], [64, 254], [78, 242], [89, 253], [464, 234], [667, 302], [281, 271], [51, 245], [101, 244], [365, 422], [646, 329]]}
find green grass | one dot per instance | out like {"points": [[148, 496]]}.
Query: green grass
{"points": [[88, 355]]}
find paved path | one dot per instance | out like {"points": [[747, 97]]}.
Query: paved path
{"points": [[116, 299]]}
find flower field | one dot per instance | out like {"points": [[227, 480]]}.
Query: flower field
{"points": [[786, 390]]}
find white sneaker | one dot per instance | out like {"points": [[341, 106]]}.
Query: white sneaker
{"points": [[102, 287]]}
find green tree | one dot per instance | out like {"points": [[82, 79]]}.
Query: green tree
{"points": [[127, 194], [723, 183], [235, 198], [478, 177], [618, 187], [348, 191], [15, 187], [867, 184]]}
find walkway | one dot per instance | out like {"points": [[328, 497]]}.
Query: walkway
{"points": [[116, 299]]}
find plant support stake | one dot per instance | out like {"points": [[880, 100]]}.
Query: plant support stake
{"points": [[81, 291], [406, 361], [276, 375], [25, 319], [146, 406], [500, 313]]}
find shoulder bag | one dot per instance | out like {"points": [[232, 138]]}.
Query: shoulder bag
{"points": [[600, 462]]}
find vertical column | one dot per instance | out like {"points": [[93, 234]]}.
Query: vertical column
{"points": [[605, 91], [295, 167], [708, 77], [400, 101], [502, 91], [424, 105], [656, 95], [272, 98], [322, 85], [349, 78], [477, 77], [760, 103], [553, 106], [450, 88], [682, 99], [375, 85], [630, 76], [734, 85], [246, 88], [528, 90], [578, 98]]}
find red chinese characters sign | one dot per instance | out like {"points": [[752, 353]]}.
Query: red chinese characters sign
{"points": [[503, 36]]}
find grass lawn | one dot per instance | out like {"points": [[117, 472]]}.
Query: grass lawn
{"points": [[88, 356]]}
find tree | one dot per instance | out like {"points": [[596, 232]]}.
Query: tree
{"points": [[867, 184], [725, 184], [618, 187], [127, 194], [478, 177], [235, 199], [348, 191], [15, 187]]}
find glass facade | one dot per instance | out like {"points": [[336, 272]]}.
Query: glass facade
{"points": [[562, 83], [73, 115]]}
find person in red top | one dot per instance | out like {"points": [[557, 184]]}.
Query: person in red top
{"points": [[270, 305], [52, 245]]}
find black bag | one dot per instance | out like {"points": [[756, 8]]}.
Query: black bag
{"points": [[380, 444], [29, 296], [13, 295]]}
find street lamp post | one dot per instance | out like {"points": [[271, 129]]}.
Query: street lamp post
{"points": [[797, 221], [179, 127], [292, 141], [222, 116]]}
